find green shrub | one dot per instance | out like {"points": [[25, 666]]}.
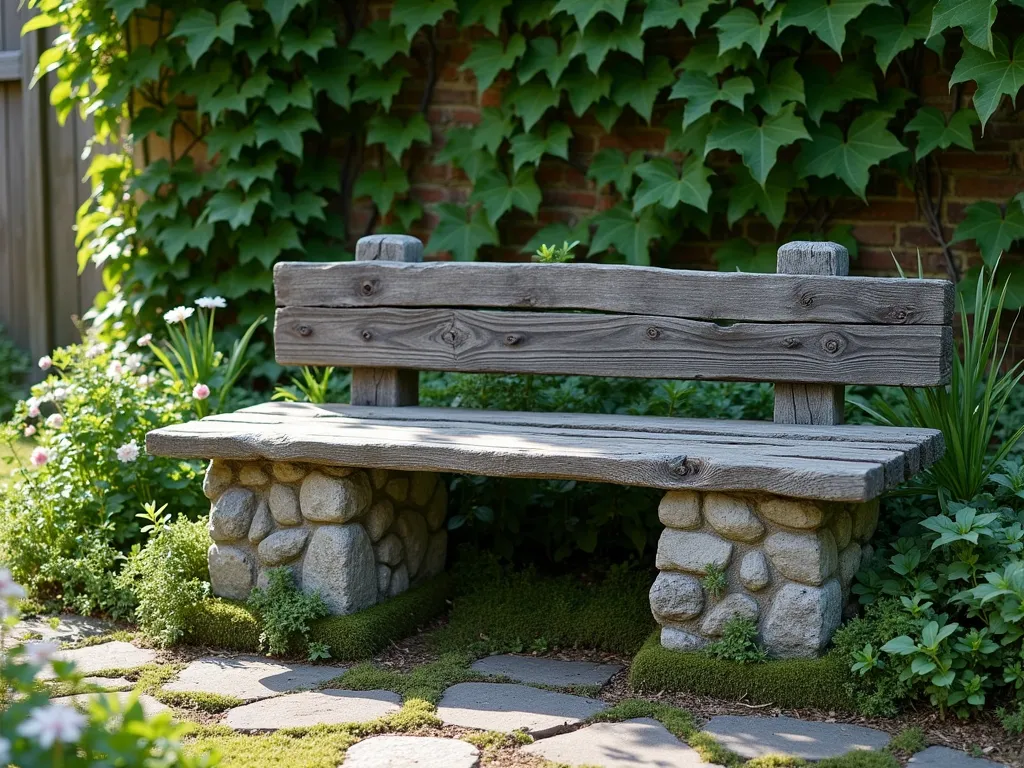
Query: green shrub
{"points": [[168, 576], [738, 643], [218, 623], [1012, 720], [13, 368], [284, 611], [785, 682]]}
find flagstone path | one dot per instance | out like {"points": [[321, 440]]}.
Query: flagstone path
{"points": [[275, 696]]}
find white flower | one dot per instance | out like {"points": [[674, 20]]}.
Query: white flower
{"points": [[96, 350], [178, 315], [9, 588], [59, 394], [33, 411], [5, 751], [53, 723], [128, 452], [115, 370], [116, 306], [29, 431], [145, 340], [144, 381], [38, 654], [45, 363], [211, 302], [133, 362], [55, 421]]}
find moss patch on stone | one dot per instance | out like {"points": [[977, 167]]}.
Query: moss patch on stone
{"points": [[786, 683], [425, 683], [229, 625]]}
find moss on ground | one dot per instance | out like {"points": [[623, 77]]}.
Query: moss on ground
{"points": [[425, 683], [232, 626], [521, 611], [785, 683]]}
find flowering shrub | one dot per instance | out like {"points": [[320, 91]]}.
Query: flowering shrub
{"points": [[35, 731]]}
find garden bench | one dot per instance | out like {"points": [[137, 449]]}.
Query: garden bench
{"points": [[779, 513]]}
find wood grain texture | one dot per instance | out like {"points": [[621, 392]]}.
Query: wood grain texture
{"points": [[381, 385], [811, 403], [617, 289], [612, 345], [547, 446]]}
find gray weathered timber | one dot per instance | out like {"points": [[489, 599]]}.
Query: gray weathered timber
{"points": [[805, 403], [617, 289], [613, 345], [384, 385], [826, 468]]}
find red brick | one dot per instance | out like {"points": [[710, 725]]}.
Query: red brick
{"points": [[989, 187], [918, 236], [875, 234], [569, 198], [974, 161]]}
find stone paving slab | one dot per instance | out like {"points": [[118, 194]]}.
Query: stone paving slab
{"points": [[508, 707], [69, 629], [944, 757], [249, 677], [150, 706], [758, 736], [539, 671], [411, 752], [112, 655], [327, 707], [639, 743]]}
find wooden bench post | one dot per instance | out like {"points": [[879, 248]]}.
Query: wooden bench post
{"points": [[386, 386], [811, 403]]}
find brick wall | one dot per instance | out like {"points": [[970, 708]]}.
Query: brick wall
{"points": [[890, 225]]}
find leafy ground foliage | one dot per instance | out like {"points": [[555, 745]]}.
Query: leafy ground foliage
{"points": [[780, 110]]}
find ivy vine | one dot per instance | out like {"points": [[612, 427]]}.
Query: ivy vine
{"points": [[246, 132]]}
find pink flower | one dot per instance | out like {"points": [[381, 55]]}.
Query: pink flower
{"points": [[55, 421], [200, 391], [53, 723], [128, 452], [145, 341], [29, 431], [39, 457], [33, 411], [45, 362]]}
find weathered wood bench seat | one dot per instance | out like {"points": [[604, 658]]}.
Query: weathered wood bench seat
{"points": [[348, 496]]}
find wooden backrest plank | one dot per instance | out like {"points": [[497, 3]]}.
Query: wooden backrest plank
{"points": [[478, 341], [617, 289]]}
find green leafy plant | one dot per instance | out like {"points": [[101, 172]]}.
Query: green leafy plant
{"points": [[715, 581], [312, 386], [556, 254], [13, 368], [285, 613], [739, 642]]}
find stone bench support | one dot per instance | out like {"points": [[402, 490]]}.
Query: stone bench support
{"points": [[355, 536], [788, 563]]}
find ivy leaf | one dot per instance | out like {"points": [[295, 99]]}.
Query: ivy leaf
{"points": [[408, 213], [280, 97], [741, 25], [828, 94], [757, 143], [156, 121], [602, 37], [459, 151], [228, 139], [532, 100], [827, 19], [381, 87], [122, 10], [498, 194], [379, 42], [585, 10], [746, 194], [159, 208], [693, 139], [638, 87], [295, 41], [265, 245], [488, 58], [996, 74], [668, 13], [334, 74], [530, 147], [740, 255], [533, 13], [584, 88], [933, 132], [202, 29], [702, 92], [705, 57], [495, 124], [607, 113], [544, 55], [304, 206], [784, 85], [610, 166], [866, 144], [397, 136], [894, 31], [559, 232], [232, 206], [286, 130], [248, 171], [631, 236], [414, 14], [975, 17], [459, 236], [184, 233], [382, 185], [661, 184], [994, 232], [280, 10], [485, 12]]}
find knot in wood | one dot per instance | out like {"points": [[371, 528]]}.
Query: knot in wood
{"points": [[833, 343], [682, 466], [653, 333], [512, 339], [367, 287], [806, 299], [453, 336], [367, 335], [304, 330], [899, 314], [791, 342]]}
